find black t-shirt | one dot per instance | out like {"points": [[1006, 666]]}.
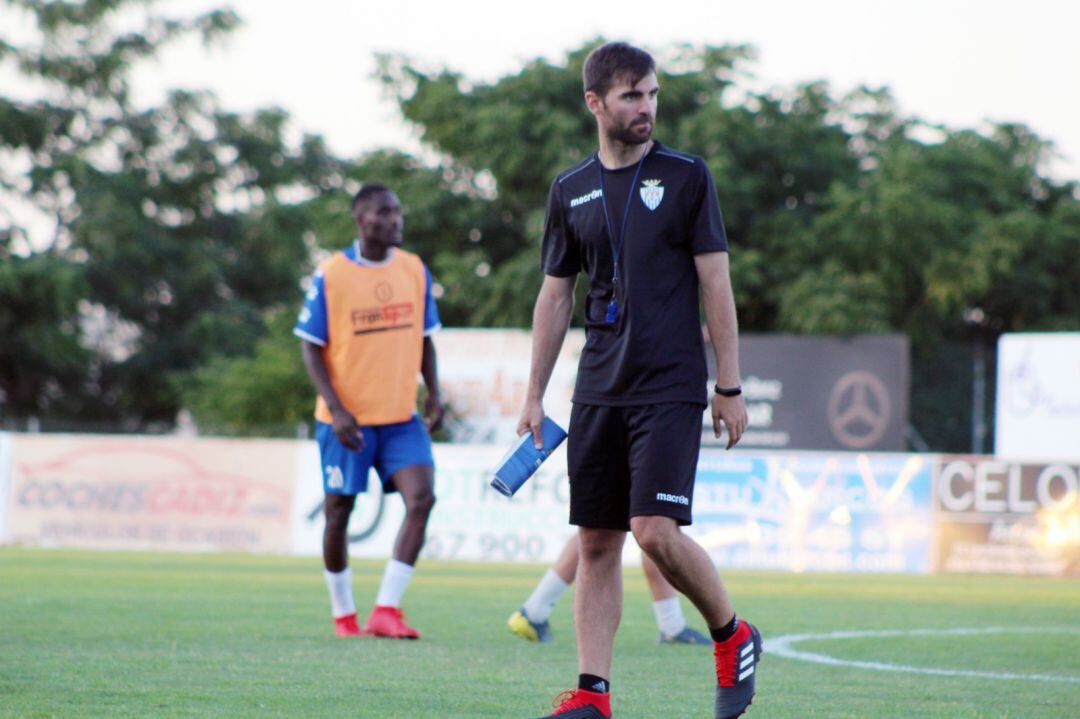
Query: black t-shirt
{"points": [[654, 351]]}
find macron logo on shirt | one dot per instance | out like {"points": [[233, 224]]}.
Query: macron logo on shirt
{"points": [[673, 498], [587, 197]]}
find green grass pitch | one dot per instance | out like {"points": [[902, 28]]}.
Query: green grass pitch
{"points": [[94, 634]]}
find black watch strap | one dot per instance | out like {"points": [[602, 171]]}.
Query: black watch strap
{"points": [[728, 391]]}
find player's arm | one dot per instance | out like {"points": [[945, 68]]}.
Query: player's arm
{"points": [[713, 275], [429, 370], [551, 318], [344, 424]]}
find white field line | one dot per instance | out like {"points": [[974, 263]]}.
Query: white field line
{"points": [[784, 646]]}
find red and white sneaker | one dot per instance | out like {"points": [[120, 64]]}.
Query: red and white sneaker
{"points": [[736, 668], [581, 704], [389, 622], [346, 626]]}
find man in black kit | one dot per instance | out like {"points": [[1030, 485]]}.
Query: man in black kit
{"points": [[642, 220]]}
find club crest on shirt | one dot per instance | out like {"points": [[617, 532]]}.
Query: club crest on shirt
{"points": [[652, 192]]}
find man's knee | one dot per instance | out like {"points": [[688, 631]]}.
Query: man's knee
{"points": [[598, 544], [655, 535], [337, 511], [419, 503]]}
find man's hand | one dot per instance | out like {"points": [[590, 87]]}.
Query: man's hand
{"points": [[433, 412], [347, 430], [731, 411], [532, 418]]}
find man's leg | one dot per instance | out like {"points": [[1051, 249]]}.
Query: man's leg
{"points": [[663, 466], [345, 473], [566, 565], [598, 599], [599, 507], [659, 587], [685, 565], [416, 483], [737, 645], [667, 608], [531, 620], [337, 509]]}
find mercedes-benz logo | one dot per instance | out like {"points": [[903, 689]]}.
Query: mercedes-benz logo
{"points": [[383, 291], [859, 410]]}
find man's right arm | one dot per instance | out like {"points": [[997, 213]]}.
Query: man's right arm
{"points": [[344, 424], [551, 318]]}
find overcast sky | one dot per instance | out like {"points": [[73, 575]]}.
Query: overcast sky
{"points": [[956, 62]]}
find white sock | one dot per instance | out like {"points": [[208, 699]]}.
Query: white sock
{"points": [[340, 586], [394, 582], [543, 599], [669, 616]]}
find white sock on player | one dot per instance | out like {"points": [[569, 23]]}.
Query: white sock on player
{"points": [[394, 582], [669, 616], [340, 586], [543, 599]]}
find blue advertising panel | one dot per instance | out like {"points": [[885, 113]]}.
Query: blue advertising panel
{"points": [[825, 512]]}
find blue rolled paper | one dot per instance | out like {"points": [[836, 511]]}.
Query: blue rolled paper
{"points": [[523, 459]]}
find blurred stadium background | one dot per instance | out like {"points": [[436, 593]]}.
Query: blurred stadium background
{"points": [[910, 301]]}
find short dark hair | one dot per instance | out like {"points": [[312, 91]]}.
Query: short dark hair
{"points": [[367, 192], [615, 61]]}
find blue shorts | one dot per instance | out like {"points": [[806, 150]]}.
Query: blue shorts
{"points": [[387, 447]]}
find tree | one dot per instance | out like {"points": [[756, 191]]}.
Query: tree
{"points": [[266, 389], [265, 393], [180, 217], [185, 230], [965, 239], [39, 299], [842, 216], [767, 155]]}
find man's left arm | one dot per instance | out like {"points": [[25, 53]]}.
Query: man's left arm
{"points": [[719, 300], [429, 370]]}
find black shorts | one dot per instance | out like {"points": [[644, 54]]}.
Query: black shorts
{"points": [[632, 461]]}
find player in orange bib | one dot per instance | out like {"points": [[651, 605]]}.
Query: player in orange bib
{"points": [[365, 328]]}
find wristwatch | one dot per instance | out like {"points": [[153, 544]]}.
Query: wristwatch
{"points": [[728, 391]]}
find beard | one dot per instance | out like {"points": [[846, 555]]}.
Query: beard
{"points": [[632, 134]]}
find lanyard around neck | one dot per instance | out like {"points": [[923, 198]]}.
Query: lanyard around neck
{"points": [[617, 242], [612, 310]]}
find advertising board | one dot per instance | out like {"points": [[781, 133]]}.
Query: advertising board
{"points": [[997, 516], [814, 511], [1037, 416], [152, 493]]}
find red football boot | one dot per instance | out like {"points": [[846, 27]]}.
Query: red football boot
{"points": [[736, 664], [389, 622], [581, 704], [346, 626]]}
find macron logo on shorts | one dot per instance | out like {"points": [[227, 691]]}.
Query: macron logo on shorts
{"points": [[673, 498]]}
